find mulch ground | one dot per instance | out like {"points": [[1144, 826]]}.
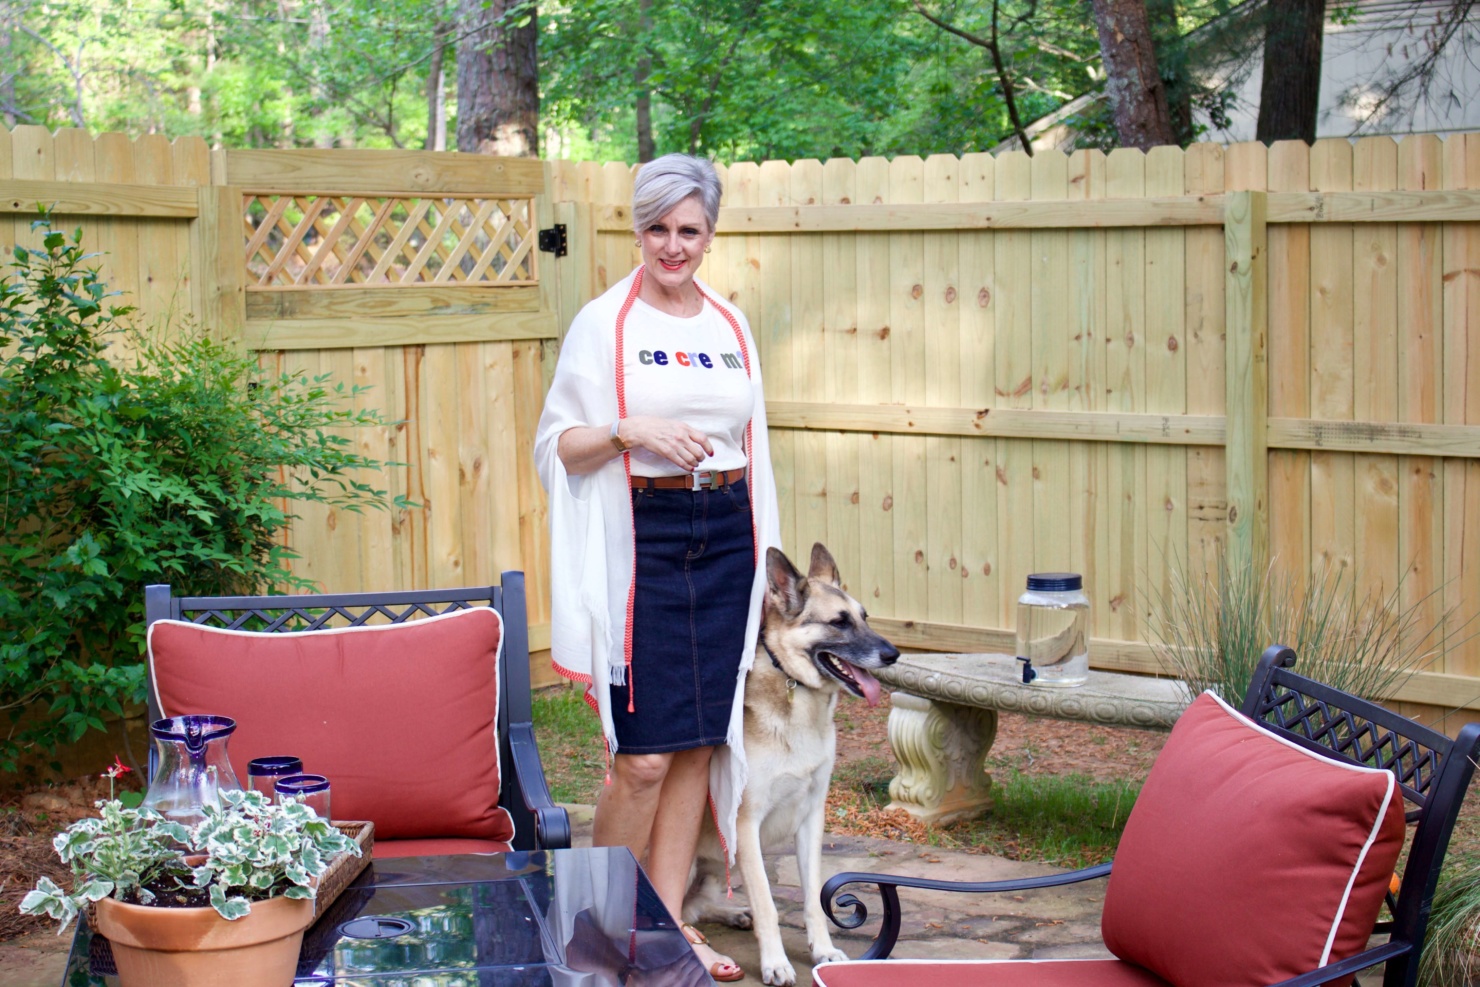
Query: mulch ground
{"points": [[1032, 745], [27, 823]]}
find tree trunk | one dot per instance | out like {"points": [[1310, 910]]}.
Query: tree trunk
{"points": [[437, 93], [1137, 95], [645, 149], [498, 97], [1171, 61], [1290, 95]]}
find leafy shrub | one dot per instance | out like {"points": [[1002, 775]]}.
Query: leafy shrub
{"points": [[177, 464]]}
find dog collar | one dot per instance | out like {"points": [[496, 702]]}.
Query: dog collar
{"points": [[772, 655], [791, 682]]}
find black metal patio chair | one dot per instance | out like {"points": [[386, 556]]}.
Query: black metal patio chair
{"points": [[522, 790], [1430, 773]]}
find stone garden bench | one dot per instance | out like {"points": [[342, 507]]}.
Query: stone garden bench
{"points": [[944, 718]]}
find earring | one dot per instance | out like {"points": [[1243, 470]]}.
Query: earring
{"points": [[637, 244], [707, 249]]}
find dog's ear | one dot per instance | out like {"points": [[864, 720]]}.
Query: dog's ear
{"points": [[823, 567], [786, 589]]}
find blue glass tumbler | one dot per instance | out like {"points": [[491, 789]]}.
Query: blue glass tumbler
{"points": [[311, 790], [263, 772]]}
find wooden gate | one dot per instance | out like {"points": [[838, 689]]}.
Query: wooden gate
{"points": [[416, 277]]}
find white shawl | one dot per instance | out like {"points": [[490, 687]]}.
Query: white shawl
{"points": [[591, 532]]}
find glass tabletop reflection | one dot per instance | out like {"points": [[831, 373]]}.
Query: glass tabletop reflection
{"points": [[584, 917]]}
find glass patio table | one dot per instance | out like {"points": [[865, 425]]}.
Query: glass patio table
{"points": [[566, 918]]}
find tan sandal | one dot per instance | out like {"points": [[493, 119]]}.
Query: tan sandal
{"points": [[697, 938]]}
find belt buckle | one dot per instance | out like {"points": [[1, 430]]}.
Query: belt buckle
{"points": [[705, 480]]}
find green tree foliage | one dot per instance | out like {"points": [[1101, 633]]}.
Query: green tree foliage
{"points": [[733, 78], [177, 465], [738, 79], [741, 78], [772, 79], [251, 73]]}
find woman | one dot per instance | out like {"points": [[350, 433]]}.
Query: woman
{"points": [[653, 448]]}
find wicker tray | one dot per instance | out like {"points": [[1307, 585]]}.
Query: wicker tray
{"points": [[346, 867]]}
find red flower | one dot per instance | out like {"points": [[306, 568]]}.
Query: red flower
{"points": [[118, 768]]}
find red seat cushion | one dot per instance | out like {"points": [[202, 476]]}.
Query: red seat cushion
{"points": [[984, 973], [1248, 859], [390, 849], [401, 718]]}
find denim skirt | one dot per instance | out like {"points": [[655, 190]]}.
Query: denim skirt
{"points": [[695, 567]]}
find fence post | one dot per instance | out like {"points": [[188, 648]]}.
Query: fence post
{"points": [[1246, 351], [221, 264]]}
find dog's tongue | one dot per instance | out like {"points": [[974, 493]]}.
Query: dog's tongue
{"points": [[869, 685]]}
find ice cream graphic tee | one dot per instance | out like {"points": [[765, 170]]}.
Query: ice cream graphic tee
{"points": [[690, 369]]}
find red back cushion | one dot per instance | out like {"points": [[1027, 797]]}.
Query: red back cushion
{"points": [[401, 718], [1247, 859]]}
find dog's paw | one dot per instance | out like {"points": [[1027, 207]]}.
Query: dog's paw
{"points": [[778, 974], [828, 955], [735, 916]]}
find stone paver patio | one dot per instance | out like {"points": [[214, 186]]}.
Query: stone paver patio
{"points": [[1048, 923]]}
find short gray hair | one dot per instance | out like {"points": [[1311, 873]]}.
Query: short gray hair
{"points": [[665, 182]]}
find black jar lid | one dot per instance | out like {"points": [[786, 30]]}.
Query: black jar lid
{"points": [[1055, 582]]}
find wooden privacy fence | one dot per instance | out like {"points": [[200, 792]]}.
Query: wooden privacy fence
{"points": [[977, 367], [981, 367]]}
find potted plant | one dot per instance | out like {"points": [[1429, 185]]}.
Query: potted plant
{"points": [[222, 902]]}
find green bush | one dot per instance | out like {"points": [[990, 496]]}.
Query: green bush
{"points": [[176, 464]]}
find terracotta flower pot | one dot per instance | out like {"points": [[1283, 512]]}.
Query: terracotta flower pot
{"points": [[195, 947]]}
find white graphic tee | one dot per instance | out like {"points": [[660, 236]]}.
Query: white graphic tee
{"points": [[690, 369]]}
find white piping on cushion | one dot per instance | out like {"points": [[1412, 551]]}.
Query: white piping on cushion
{"points": [[1387, 799]]}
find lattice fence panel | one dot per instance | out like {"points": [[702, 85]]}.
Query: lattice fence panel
{"points": [[339, 241]]}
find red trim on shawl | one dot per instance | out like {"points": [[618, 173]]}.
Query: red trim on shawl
{"points": [[724, 847], [621, 370], [590, 699], [566, 673]]}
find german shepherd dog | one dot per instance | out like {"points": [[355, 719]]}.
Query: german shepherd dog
{"points": [[816, 643]]}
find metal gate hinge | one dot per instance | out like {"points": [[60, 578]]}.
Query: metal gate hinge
{"points": [[552, 241]]}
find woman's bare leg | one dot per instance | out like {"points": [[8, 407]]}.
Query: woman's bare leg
{"points": [[625, 808], [675, 836]]}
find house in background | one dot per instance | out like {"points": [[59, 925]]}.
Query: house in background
{"points": [[1371, 51]]}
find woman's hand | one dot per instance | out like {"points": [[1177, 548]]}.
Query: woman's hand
{"points": [[681, 444], [585, 449]]}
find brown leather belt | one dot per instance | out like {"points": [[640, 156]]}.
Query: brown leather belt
{"points": [[702, 480]]}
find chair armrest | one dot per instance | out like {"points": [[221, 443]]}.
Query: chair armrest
{"points": [[552, 823], [889, 885], [1350, 965]]}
